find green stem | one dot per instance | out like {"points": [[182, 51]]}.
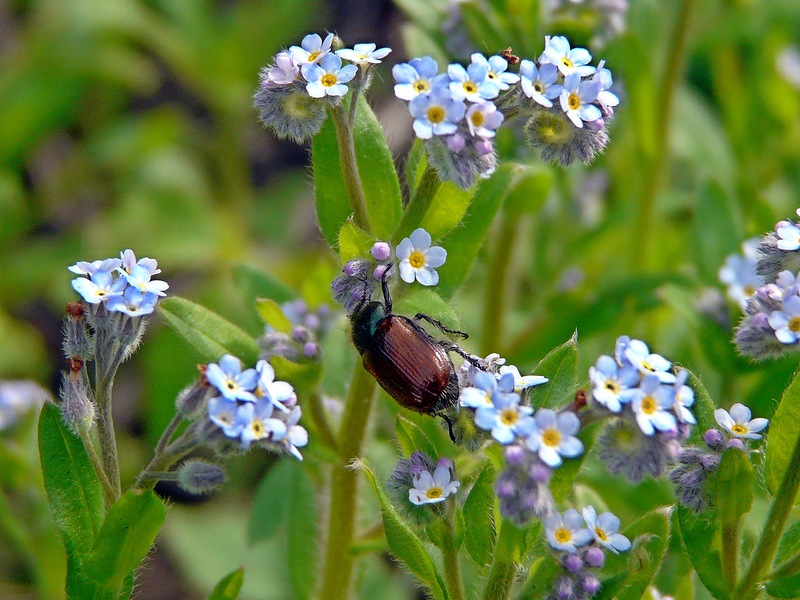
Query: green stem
{"points": [[779, 513], [493, 308], [450, 558], [167, 454], [419, 203], [359, 82], [730, 553], [320, 418], [657, 160], [105, 432], [99, 469], [347, 158], [504, 562], [339, 561]]}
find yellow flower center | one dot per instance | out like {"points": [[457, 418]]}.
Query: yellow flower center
{"points": [[574, 102], [538, 87], [749, 290], [421, 86], [509, 416], [551, 437], [417, 259], [435, 492], [257, 427], [230, 385], [649, 405], [470, 87], [563, 535], [101, 293], [567, 62], [313, 56], [612, 386], [328, 79], [477, 118], [601, 535], [794, 324], [648, 367], [739, 429], [435, 114]]}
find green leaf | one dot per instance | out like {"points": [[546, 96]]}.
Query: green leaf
{"points": [[650, 537], [229, 586], [464, 242], [561, 367], [790, 543], [482, 26], [412, 438], [784, 588], [734, 487], [703, 410], [530, 190], [255, 283], [784, 435], [700, 537], [303, 534], [73, 490], [541, 577], [480, 535], [718, 229], [126, 537], [404, 543], [446, 209], [271, 502], [563, 481], [353, 242], [333, 205], [421, 299], [272, 313], [209, 333]]}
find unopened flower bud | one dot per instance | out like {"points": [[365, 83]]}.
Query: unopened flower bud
{"points": [[300, 334], [77, 408], [735, 443], [515, 455], [381, 251], [714, 438], [595, 557], [590, 584], [573, 563], [380, 272], [310, 350], [200, 477], [456, 142], [191, 400]]}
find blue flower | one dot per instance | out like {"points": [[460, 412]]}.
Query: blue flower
{"points": [[539, 84], [480, 394], [651, 405], [224, 413], [133, 302], [364, 54], [312, 49], [258, 423], [230, 380], [566, 532], [577, 97], [789, 237], [418, 76], [683, 398], [496, 70], [100, 286], [285, 70], [436, 113], [418, 259], [739, 273], [328, 78], [139, 278], [472, 84], [279, 393], [613, 385], [554, 436], [738, 422], [606, 98], [569, 61], [129, 262], [83, 267], [505, 418], [604, 529], [483, 118], [296, 435], [638, 354], [521, 382], [786, 321], [432, 489]]}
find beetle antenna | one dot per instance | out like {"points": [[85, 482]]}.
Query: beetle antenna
{"points": [[440, 326], [387, 299], [449, 426]]}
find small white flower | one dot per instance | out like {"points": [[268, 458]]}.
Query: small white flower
{"points": [[418, 259], [312, 49], [521, 382], [684, 397], [790, 237], [738, 422], [568, 61], [432, 489], [364, 54]]}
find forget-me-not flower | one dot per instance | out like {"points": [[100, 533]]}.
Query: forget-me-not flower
{"points": [[605, 97], [418, 259], [417, 76], [312, 49], [637, 353], [566, 532], [604, 529], [505, 418], [472, 84], [483, 119], [569, 61], [577, 97], [789, 235], [296, 435], [739, 273], [496, 70], [738, 422], [328, 78], [364, 54], [99, 286], [613, 385], [83, 267], [224, 413], [479, 395], [683, 398], [651, 405], [554, 436], [539, 84], [786, 321], [279, 393], [436, 113], [521, 382], [258, 423], [432, 489], [133, 302], [285, 70], [230, 380]]}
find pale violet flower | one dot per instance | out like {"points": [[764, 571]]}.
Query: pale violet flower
{"points": [[311, 50], [418, 76], [539, 84], [258, 423], [83, 267], [786, 322], [230, 380], [364, 54], [789, 237], [99, 286], [613, 385], [432, 489], [651, 406], [565, 531], [739, 273], [279, 393], [638, 354], [496, 67], [738, 422], [483, 119], [285, 70], [577, 97], [328, 78], [604, 529], [606, 98], [505, 418], [224, 413], [554, 436], [133, 302], [296, 435], [140, 278], [521, 382], [683, 398], [472, 84], [129, 262], [569, 61], [480, 393], [418, 259], [436, 113]]}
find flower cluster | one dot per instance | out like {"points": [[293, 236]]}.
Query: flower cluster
{"points": [[292, 85], [417, 260], [122, 284], [252, 407], [308, 326], [695, 464], [771, 325], [652, 404], [581, 543], [419, 486]]}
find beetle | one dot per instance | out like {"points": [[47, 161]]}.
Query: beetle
{"points": [[414, 368]]}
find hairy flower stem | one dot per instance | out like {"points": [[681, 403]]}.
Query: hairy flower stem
{"points": [[731, 543], [507, 553], [320, 418], [779, 513], [347, 158], [339, 561], [427, 186], [165, 454], [99, 469], [450, 559], [493, 307], [105, 432]]}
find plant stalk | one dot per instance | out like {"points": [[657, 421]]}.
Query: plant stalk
{"points": [[106, 434], [494, 306], [450, 558], [418, 205], [349, 164], [504, 568]]}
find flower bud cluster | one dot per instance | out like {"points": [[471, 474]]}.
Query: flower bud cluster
{"points": [[294, 87], [771, 325], [308, 327], [651, 403], [581, 540], [251, 407]]}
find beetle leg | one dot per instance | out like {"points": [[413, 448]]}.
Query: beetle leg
{"points": [[439, 325], [387, 299], [449, 426], [475, 361]]}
